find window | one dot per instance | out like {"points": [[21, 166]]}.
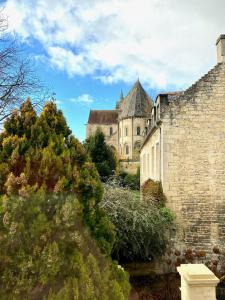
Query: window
{"points": [[127, 149], [144, 163], [138, 130], [157, 161], [126, 131], [137, 145], [110, 131], [153, 162]]}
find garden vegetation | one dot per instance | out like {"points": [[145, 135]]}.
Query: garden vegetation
{"points": [[55, 239], [142, 226]]}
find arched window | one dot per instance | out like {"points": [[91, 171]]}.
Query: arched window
{"points": [[138, 130], [137, 145], [127, 149], [110, 131], [126, 131]]}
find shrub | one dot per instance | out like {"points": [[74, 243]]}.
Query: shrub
{"points": [[46, 251], [152, 191], [141, 227], [131, 181]]}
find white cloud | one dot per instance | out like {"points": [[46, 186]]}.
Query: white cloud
{"points": [[84, 99], [163, 42]]}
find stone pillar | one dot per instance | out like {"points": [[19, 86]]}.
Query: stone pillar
{"points": [[197, 282]]}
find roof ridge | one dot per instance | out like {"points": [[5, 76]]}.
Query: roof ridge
{"points": [[202, 78]]}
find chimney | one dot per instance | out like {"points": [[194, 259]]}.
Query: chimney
{"points": [[220, 43]]}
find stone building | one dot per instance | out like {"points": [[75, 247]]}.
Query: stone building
{"points": [[125, 127], [185, 150]]}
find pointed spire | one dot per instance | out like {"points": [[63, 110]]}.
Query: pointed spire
{"points": [[121, 95], [138, 103]]}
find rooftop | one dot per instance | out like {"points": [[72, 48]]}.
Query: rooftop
{"points": [[137, 103], [103, 117]]}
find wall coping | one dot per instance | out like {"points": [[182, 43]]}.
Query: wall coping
{"points": [[197, 274]]}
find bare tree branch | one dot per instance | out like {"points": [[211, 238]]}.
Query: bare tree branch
{"points": [[17, 77]]}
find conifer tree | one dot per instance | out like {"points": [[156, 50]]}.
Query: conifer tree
{"points": [[49, 192], [50, 158], [101, 154]]}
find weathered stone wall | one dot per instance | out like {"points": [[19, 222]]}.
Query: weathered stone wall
{"points": [[129, 166], [194, 162], [193, 171], [132, 139], [150, 166], [112, 140]]}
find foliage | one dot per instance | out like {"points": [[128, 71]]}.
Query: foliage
{"points": [[101, 154], [141, 227], [39, 153], [152, 190], [49, 192], [46, 251], [131, 181]]}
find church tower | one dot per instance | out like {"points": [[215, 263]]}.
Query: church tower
{"points": [[134, 114], [125, 127]]}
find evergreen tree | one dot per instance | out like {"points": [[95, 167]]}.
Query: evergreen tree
{"points": [[51, 159], [101, 154], [49, 192]]}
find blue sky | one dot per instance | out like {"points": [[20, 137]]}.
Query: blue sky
{"points": [[87, 51]]}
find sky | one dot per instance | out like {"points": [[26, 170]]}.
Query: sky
{"points": [[86, 51]]}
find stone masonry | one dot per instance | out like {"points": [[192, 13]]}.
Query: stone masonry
{"points": [[191, 129]]}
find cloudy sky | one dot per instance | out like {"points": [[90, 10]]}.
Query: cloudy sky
{"points": [[87, 51]]}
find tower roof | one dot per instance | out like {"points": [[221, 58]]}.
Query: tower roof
{"points": [[137, 103]]}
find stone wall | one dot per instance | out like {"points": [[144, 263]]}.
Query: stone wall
{"points": [[132, 139], [194, 161], [149, 158], [193, 171], [112, 140]]}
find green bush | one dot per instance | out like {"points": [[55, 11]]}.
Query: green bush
{"points": [[131, 181], [141, 227], [46, 251]]}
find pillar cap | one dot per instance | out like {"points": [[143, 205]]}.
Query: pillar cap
{"points": [[196, 274]]}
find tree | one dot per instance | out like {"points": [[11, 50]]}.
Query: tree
{"points": [[42, 150], [50, 221], [17, 76], [101, 154]]}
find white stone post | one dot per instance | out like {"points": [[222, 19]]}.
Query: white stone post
{"points": [[197, 282]]}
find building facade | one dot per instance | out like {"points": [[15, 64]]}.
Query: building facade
{"points": [[125, 127], [185, 150]]}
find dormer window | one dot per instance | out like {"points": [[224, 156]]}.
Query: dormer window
{"points": [[110, 131], [138, 130]]}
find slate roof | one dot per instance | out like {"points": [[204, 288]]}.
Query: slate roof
{"points": [[136, 104], [103, 117]]}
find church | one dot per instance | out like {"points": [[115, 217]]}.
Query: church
{"points": [[126, 126]]}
